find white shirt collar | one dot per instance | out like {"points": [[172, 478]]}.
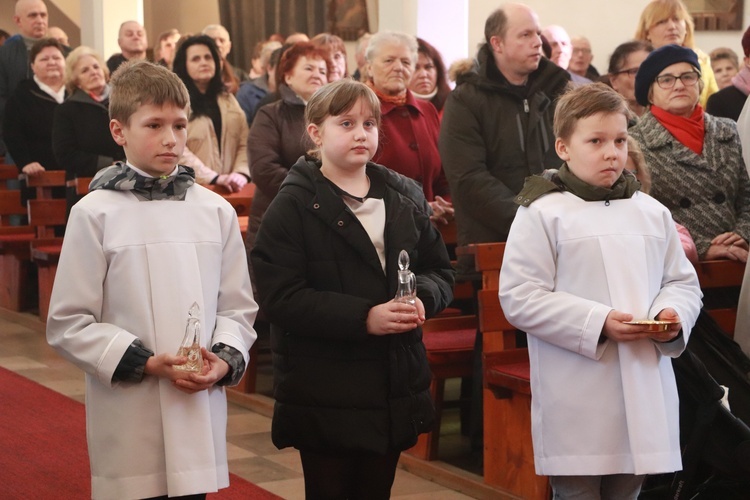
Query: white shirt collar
{"points": [[58, 95], [144, 174]]}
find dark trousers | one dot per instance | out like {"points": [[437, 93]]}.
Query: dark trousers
{"points": [[355, 476]]}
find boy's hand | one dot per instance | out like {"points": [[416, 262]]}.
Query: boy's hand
{"points": [[667, 314], [615, 328], [162, 366], [395, 317], [214, 369]]}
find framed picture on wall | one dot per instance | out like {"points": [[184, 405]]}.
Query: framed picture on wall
{"points": [[716, 15], [348, 18]]}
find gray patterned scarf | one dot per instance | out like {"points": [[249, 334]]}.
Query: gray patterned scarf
{"points": [[121, 177]]}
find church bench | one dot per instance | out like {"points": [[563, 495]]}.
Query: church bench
{"points": [[241, 201], [7, 173], [718, 274], [509, 455], [463, 290], [15, 257], [44, 182], [45, 215], [449, 343], [508, 451]]}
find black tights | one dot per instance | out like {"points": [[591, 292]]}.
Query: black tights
{"points": [[360, 476]]}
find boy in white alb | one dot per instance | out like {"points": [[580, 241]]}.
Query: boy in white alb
{"points": [[142, 247], [587, 254]]}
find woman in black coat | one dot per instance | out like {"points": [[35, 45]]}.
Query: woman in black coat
{"points": [[30, 110], [351, 378], [80, 133], [339, 389]]}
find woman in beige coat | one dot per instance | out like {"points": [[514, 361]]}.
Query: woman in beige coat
{"points": [[217, 132]]}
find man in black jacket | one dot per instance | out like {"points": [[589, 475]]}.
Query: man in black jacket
{"points": [[496, 131], [497, 125]]}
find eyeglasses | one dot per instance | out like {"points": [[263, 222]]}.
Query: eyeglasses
{"points": [[581, 50], [630, 72], [688, 79]]}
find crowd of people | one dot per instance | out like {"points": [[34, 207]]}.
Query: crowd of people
{"points": [[470, 152]]}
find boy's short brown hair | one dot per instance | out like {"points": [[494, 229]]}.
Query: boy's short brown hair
{"points": [[583, 101], [137, 83]]}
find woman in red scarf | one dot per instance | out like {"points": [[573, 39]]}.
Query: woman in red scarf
{"points": [[695, 159], [410, 126]]}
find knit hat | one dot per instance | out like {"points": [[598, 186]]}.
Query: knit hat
{"points": [[655, 63]]}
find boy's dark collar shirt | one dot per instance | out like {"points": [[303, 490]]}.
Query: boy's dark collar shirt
{"points": [[124, 177], [563, 179]]}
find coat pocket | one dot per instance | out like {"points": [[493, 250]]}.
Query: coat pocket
{"points": [[410, 416]]}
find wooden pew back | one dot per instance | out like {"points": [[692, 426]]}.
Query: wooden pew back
{"points": [[508, 451], [45, 216], [240, 200], [10, 204], [45, 181], [718, 274], [7, 173]]}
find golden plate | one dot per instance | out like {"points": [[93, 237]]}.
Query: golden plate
{"points": [[653, 325]]}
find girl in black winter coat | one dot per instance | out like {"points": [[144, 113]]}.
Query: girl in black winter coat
{"points": [[351, 378]]}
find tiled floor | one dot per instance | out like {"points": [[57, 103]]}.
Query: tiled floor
{"points": [[23, 349]]}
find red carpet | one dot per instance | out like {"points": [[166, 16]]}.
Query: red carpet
{"points": [[43, 446]]}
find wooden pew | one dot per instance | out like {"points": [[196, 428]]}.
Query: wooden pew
{"points": [[15, 257], [46, 214], [7, 173], [508, 451], [463, 291], [241, 201], [716, 274], [508, 457], [44, 182], [81, 184], [449, 342]]}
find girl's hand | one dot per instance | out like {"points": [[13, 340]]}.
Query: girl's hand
{"points": [[395, 317], [214, 369]]}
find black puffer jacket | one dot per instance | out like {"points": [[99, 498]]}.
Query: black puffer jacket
{"points": [[492, 137], [318, 274]]}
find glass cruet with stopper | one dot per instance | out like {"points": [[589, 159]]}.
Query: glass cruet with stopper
{"points": [[191, 342], [407, 281]]}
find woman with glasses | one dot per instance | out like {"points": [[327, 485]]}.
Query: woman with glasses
{"points": [[623, 65], [696, 162]]}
